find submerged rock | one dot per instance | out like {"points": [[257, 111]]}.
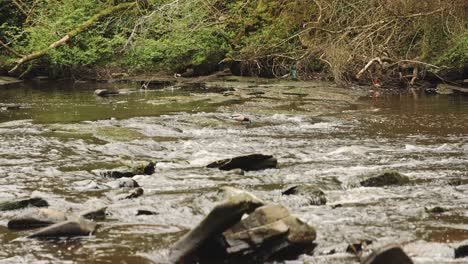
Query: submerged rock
{"points": [[248, 163], [41, 218], [95, 214], [145, 212], [121, 172], [139, 168], [123, 183], [224, 236], [80, 227], [23, 203], [134, 194], [358, 246], [312, 193], [105, 92], [391, 254], [223, 216], [385, 178], [435, 210]]}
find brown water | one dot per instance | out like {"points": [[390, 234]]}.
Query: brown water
{"points": [[51, 146]]}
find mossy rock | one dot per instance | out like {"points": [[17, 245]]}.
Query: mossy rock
{"points": [[118, 133], [385, 178]]}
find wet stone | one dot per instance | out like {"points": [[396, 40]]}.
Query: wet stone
{"points": [[145, 212], [80, 227], [357, 247], [461, 251], [134, 194], [122, 172], [123, 183], [269, 232], [139, 168], [436, 210], [23, 203], [95, 214], [385, 178], [41, 218], [105, 92], [251, 162], [391, 254], [314, 194], [235, 204]]}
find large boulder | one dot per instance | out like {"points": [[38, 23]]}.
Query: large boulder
{"points": [[269, 231], [41, 218], [385, 178], [224, 215], [225, 236], [23, 203], [391, 254], [67, 229], [251, 162]]}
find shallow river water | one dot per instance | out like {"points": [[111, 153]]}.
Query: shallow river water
{"points": [[62, 133]]}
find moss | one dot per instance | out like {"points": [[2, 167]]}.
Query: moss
{"points": [[118, 133], [385, 178]]}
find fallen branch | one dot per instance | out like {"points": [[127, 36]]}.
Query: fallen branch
{"points": [[358, 75], [72, 33]]}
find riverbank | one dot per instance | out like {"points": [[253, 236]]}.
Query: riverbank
{"points": [[397, 44]]}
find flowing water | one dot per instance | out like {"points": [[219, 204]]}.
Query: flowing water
{"points": [[53, 144]]}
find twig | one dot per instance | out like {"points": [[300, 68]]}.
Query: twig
{"points": [[377, 59], [12, 51]]}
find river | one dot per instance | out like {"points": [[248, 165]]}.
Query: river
{"points": [[329, 137]]}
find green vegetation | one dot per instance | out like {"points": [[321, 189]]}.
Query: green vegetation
{"points": [[267, 38]]}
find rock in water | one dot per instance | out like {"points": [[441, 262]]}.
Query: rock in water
{"points": [[66, 229], [223, 216], [105, 92], [117, 173], [461, 251], [123, 183], [23, 203], [385, 178], [145, 212], [314, 195], [248, 163], [41, 218], [270, 230], [135, 194], [391, 254], [99, 214], [139, 168]]}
